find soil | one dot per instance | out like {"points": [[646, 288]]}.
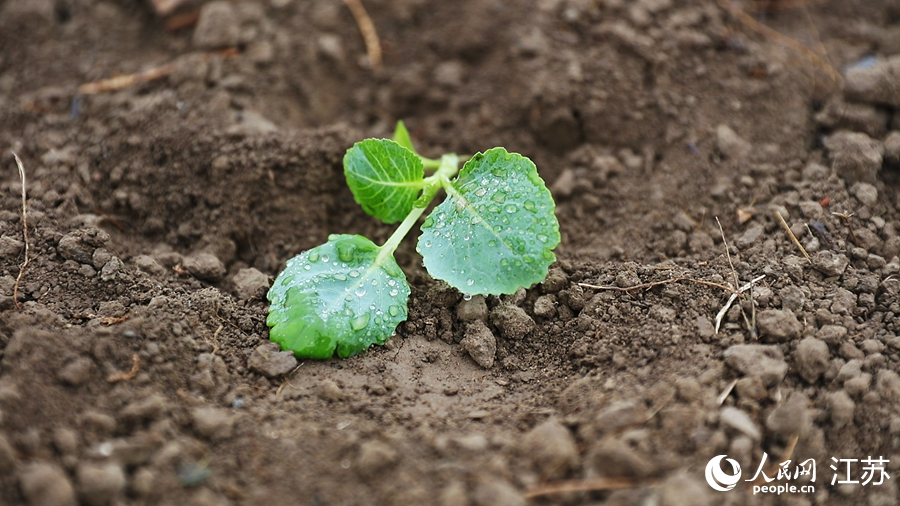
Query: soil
{"points": [[134, 367]]}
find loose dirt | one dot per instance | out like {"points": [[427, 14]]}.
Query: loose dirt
{"points": [[136, 369]]}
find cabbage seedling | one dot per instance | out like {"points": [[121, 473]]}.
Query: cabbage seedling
{"points": [[492, 234]]}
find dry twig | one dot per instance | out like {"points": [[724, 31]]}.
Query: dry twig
{"points": [[593, 485], [367, 29], [792, 236], [24, 232], [124, 81], [126, 376]]}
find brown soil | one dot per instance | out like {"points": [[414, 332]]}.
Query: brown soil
{"points": [[126, 374]]}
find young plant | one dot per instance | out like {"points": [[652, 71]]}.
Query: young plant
{"points": [[494, 233]]}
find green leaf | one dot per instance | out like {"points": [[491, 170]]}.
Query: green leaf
{"points": [[401, 137], [496, 230], [336, 297], [385, 178]]}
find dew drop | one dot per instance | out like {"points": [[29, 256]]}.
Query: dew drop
{"points": [[542, 237], [504, 262], [470, 281], [360, 322], [529, 205], [467, 297], [492, 243], [510, 208], [307, 267], [394, 310], [313, 256], [354, 274], [360, 291], [340, 277], [499, 197], [394, 292], [480, 192], [476, 220], [324, 258], [427, 244]]}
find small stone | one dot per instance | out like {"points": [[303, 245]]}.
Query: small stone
{"points": [[866, 193], [613, 458], [840, 407], [10, 248], [374, 457], [480, 343], [832, 334], [683, 489], [212, 423], [149, 408], [778, 324], [513, 322], [764, 361], [551, 448], [205, 266], [79, 245], [111, 268], [148, 264], [792, 298], [100, 483], [76, 372], [876, 84], [855, 156], [100, 257], [268, 360], [46, 485], [329, 391], [545, 306], [792, 417], [811, 358], [250, 284], [830, 263], [751, 236], [741, 422], [217, 27], [472, 309], [497, 493], [887, 384], [730, 144]]}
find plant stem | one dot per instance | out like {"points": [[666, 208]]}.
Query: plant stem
{"points": [[449, 166]]}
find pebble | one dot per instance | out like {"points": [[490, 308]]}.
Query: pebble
{"points": [[832, 334], [472, 309], [79, 245], [551, 448], [329, 391], [855, 156], [76, 372], [205, 266], [250, 284], [614, 458], [148, 264], [792, 417], [830, 263], [811, 358], [730, 144], [513, 322], [877, 84], [683, 489], [545, 306], [268, 360], [99, 483], [111, 268], [374, 457], [840, 408], [217, 27], [738, 420], [779, 324], [212, 423], [149, 408], [751, 236], [497, 492], [480, 343], [887, 384], [764, 361], [46, 485], [866, 193]]}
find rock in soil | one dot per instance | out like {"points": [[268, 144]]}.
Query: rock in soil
{"points": [[513, 322], [764, 361], [46, 485], [855, 156], [877, 84], [551, 448], [480, 343], [99, 484], [472, 309], [250, 284], [778, 325], [268, 359], [205, 266]]}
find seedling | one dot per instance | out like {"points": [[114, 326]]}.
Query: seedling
{"points": [[493, 234]]}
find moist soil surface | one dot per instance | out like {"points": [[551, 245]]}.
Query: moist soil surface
{"points": [[135, 366]]}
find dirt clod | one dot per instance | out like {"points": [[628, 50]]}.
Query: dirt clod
{"points": [[551, 448], [46, 485], [513, 322], [205, 266], [268, 360], [763, 361], [480, 343], [99, 483], [779, 325], [811, 358]]}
